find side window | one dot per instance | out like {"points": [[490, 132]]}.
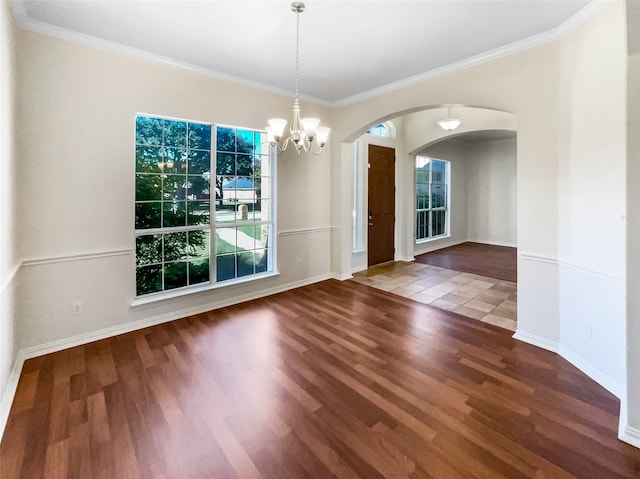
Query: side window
{"points": [[432, 197], [243, 203]]}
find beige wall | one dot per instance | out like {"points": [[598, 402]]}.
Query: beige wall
{"points": [[492, 192], [591, 196], [9, 260], [632, 426], [77, 109], [483, 192]]}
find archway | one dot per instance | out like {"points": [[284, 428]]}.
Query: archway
{"points": [[416, 129]]}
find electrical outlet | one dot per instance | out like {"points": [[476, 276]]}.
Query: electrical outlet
{"points": [[587, 330], [299, 263], [76, 308]]}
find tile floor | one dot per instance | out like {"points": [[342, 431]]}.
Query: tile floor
{"points": [[487, 299]]}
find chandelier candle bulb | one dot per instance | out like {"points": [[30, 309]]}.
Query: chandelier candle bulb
{"points": [[270, 138], [309, 125], [323, 135], [277, 128]]}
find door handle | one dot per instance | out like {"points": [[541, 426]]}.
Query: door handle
{"points": [[370, 219]]}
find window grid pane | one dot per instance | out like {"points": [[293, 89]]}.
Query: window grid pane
{"points": [[171, 260]]}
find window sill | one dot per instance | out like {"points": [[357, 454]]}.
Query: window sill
{"points": [[156, 299], [435, 238]]}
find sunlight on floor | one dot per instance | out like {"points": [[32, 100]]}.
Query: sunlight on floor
{"points": [[479, 297]]}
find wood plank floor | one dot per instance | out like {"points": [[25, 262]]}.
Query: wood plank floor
{"points": [[335, 379], [487, 260]]}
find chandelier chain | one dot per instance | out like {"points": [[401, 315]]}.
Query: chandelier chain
{"points": [[297, 50]]}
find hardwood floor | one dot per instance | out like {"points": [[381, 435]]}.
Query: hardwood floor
{"points": [[335, 379], [487, 260]]}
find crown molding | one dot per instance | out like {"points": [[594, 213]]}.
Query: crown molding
{"points": [[23, 21], [581, 16], [588, 11], [573, 22]]}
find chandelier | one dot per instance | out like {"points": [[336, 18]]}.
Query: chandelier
{"points": [[305, 132]]}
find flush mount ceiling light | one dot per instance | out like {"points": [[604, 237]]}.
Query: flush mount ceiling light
{"points": [[449, 123], [303, 133]]}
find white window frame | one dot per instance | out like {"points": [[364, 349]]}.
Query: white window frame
{"points": [[145, 299], [430, 209], [358, 198], [389, 130], [271, 225]]}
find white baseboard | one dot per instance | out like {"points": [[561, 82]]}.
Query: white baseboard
{"points": [[10, 391], [342, 277], [631, 436], [536, 340], [493, 243], [428, 247], [594, 373], [598, 376], [357, 270], [626, 433], [77, 340]]}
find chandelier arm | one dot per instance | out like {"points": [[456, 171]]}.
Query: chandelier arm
{"points": [[318, 153], [285, 144]]}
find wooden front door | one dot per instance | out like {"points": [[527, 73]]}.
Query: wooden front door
{"points": [[382, 205]]}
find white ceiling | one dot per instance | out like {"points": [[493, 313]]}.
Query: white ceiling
{"points": [[348, 49]]}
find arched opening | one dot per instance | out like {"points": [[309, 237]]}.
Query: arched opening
{"points": [[416, 130], [470, 196]]}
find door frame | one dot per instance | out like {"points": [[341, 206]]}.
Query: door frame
{"points": [[360, 151]]}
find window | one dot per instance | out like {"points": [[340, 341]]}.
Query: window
{"points": [[243, 203], [379, 130], [432, 197], [357, 212], [174, 204]]}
